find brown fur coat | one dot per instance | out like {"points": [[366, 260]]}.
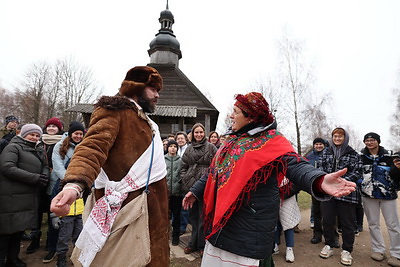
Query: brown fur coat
{"points": [[116, 138]]}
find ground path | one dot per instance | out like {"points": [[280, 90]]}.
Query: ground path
{"points": [[306, 254]]}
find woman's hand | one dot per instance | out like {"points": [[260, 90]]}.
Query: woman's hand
{"points": [[61, 203], [334, 185], [188, 200]]}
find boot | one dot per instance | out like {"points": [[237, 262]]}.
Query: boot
{"points": [[175, 240], [35, 243], [61, 260], [17, 262]]}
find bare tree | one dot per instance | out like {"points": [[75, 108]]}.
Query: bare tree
{"points": [[48, 90], [8, 104], [32, 91], [296, 80], [316, 122], [395, 122], [76, 85]]}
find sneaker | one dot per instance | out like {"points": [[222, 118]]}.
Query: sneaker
{"points": [[377, 256], [394, 261], [289, 254], [312, 225], [276, 249], [49, 257], [346, 258], [356, 233], [326, 252]]}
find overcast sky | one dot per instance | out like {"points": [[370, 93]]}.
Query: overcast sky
{"points": [[226, 45]]}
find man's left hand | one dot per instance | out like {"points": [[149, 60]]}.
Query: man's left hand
{"points": [[334, 185]]}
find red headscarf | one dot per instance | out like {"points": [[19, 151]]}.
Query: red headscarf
{"points": [[255, 105]]}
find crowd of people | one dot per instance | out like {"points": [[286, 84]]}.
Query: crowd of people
{"points": [[238, 190], [33, 161]]}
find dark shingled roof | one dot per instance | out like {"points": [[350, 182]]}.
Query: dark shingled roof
{"points": [[164, 111]]}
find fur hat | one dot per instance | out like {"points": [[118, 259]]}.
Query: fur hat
{"points": [[55, 121], [75, 126], [139, 78], [372, 135], [255, 105], [10, 119], [30, 128], [172, 142]]}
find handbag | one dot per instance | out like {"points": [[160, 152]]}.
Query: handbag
{"points": [[129, 234]]}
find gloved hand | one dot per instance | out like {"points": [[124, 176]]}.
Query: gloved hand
{"points": [[55, 221], [43, 180]]}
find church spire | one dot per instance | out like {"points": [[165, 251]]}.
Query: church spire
{"points": [[165, 48]]}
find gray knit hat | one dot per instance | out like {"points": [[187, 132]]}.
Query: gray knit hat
{"points": [[30, 128]]}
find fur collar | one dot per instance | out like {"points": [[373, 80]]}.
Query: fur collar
{"points": [[115, 103]]}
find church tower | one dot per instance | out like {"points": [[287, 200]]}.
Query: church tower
{"points": [[165, 48]]}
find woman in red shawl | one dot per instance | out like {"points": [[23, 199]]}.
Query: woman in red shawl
{"points": [[240, 191]]}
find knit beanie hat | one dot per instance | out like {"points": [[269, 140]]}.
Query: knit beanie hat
{"points": [[372, 135], [172, 142], [139, 78], [319, 140], [10, 119], [56, 121], [255, 105], [75, 126], [30, 128]]}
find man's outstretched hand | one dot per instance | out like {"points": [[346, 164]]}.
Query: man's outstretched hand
{"points": [[61, 203], [334, 185]]}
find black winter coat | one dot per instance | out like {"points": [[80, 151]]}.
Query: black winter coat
{"points": [[21, 164], [249, 232]]}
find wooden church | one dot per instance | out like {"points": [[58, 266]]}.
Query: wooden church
{"points": [[181, 103]]}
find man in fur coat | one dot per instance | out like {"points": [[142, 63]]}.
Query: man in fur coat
{"points": [[121, 153]]}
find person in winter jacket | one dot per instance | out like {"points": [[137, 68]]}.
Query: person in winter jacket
{"points": [[240, 190], [70, 225], [23, 173], [195, 163], [8, 131], [315, 218], [339, 156], [379, 194], [173, 162], [52, 133]]}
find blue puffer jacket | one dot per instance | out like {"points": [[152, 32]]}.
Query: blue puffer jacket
{"points": [[377, 183]]}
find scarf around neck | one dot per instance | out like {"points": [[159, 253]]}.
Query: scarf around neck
{"points": [[51, 139], [236, 170]]}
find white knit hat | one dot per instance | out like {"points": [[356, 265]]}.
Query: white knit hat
{"points": [[30, 128]]}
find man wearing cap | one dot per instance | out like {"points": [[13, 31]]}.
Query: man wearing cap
{"points": [[379, 194], [318, 147], [8, 131], [121, 153]]}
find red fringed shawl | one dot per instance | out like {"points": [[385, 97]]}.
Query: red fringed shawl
{"points": [[232, 174]]}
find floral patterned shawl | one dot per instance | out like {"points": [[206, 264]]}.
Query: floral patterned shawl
{"points": [[232, 174]]}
